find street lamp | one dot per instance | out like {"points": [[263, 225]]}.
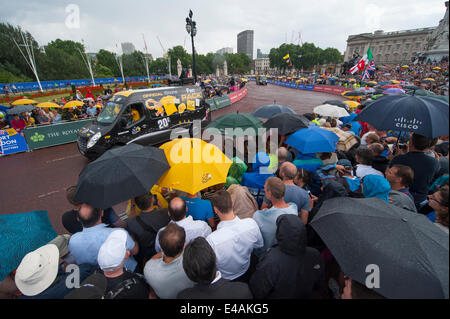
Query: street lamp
{"points": [[191, 28]]}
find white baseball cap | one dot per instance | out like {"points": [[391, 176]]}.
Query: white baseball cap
{"points": [[112, 252], [37, 270]]}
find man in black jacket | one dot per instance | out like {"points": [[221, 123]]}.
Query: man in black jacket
{"points": [[144, 227], [199, 263], [290, 269]]}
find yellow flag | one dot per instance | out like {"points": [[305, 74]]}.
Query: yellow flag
{"points": [[286, 56]]}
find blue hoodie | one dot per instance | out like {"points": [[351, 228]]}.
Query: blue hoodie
{"points": [[376, 186], [258, 177]]}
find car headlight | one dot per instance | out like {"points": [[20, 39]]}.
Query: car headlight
{"points": [[94, 139]]}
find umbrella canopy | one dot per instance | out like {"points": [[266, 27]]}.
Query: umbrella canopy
{"points": [[395, 82], [21, 234], [371, 83], [428, 80], [194, 165], [287, 123], [391, 86], [48, 105], [20, 109], [422, 115], [394, 91], [410, 252], [405, 66], [120, 174], [436, 68], [411, 87], [366, 89], [72, 104], [267, 111], [23, 102], [338, 103], [330, 110], [229, 122], [352, 104], [312, 140], [353, 94], [346, 140]]}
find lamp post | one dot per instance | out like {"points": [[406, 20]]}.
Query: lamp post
{"points": [[191, 28]]}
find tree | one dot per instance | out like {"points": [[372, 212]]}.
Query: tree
{"points": [[108, 59], [331, 55], [178, 52]]}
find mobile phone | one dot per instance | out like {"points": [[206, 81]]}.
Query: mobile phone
{"points": [[309, 193]]}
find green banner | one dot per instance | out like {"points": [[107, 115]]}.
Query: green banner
{"points": [[55, 134], [222, 101]]}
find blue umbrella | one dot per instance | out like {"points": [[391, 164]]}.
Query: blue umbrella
{"points": [[313, 139], [422, 115], [267, 111], [394, 91], [20, 234]]}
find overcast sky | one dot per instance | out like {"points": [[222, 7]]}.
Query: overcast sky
{"points": [[326, 23]]}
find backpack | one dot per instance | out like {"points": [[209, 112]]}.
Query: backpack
{"points": [[146, 242]]}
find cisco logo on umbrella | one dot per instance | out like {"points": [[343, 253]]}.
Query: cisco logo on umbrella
{"points": [[401, 122]]}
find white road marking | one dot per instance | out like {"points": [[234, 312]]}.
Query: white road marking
{"points": [[63, 158]]}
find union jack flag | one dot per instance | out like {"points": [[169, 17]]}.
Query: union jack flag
{"points": [[370, 68]]}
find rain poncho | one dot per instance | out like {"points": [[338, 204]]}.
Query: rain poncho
{"points": [[376, 186]]}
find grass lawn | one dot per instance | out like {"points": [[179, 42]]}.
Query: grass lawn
{"points": [[51, 98]]}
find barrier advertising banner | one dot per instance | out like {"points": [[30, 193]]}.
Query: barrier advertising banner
{"points": [[12, 142], [218, 102], [237, 96], [56, 134], [330, 89]]}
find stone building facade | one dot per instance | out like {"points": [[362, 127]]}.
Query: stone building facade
{"points": [[389, 47]]}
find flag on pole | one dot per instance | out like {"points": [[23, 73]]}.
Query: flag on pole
{"points": [[363, 62], [369, 70], [287, 59]]}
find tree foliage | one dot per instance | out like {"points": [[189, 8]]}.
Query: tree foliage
{"points": [[303, 57]]}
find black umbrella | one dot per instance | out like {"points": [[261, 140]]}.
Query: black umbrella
{"points": [[20, 109], [120, 174], [287, 123], [355, 93], [410, 252], [338, 103], [422, 115], [267, 111]]}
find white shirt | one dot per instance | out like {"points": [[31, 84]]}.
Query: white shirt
{"points": [[233, 242], [193, 229], [363, 170]]}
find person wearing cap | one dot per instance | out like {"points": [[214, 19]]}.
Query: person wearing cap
{"points": [[112, 256], [345, 169], [41, 273], [164, 272], [85, 245]]}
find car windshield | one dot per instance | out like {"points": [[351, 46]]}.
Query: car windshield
{"points": [[110, 113]]}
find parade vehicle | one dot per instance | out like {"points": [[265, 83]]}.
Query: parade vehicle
{"points": [[261, 80], [145, 117]]}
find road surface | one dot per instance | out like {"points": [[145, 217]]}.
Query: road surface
{"points": [[37, 180]]}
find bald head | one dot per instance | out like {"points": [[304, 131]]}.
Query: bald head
{"points": [[288, 171], [283, 154], [177, 209], [89, 216]]}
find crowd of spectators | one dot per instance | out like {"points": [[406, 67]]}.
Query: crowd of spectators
{"points": [[248, 238]]}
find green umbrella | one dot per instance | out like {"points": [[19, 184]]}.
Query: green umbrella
{"points": [[229, 122]]}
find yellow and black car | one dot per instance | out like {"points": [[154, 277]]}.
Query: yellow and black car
{"points": [[146, 117]]}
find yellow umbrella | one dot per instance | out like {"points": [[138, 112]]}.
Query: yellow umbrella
{"points": [[244, 80], [352, 104], [395, 82], [207, 81], [23, 102], [71, 104], [48, 104], [372, 82], [194, 165], [405, 66], [436, 68], [428, 79]]}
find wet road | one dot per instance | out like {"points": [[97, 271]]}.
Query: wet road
{"points": [[37, 180]]}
